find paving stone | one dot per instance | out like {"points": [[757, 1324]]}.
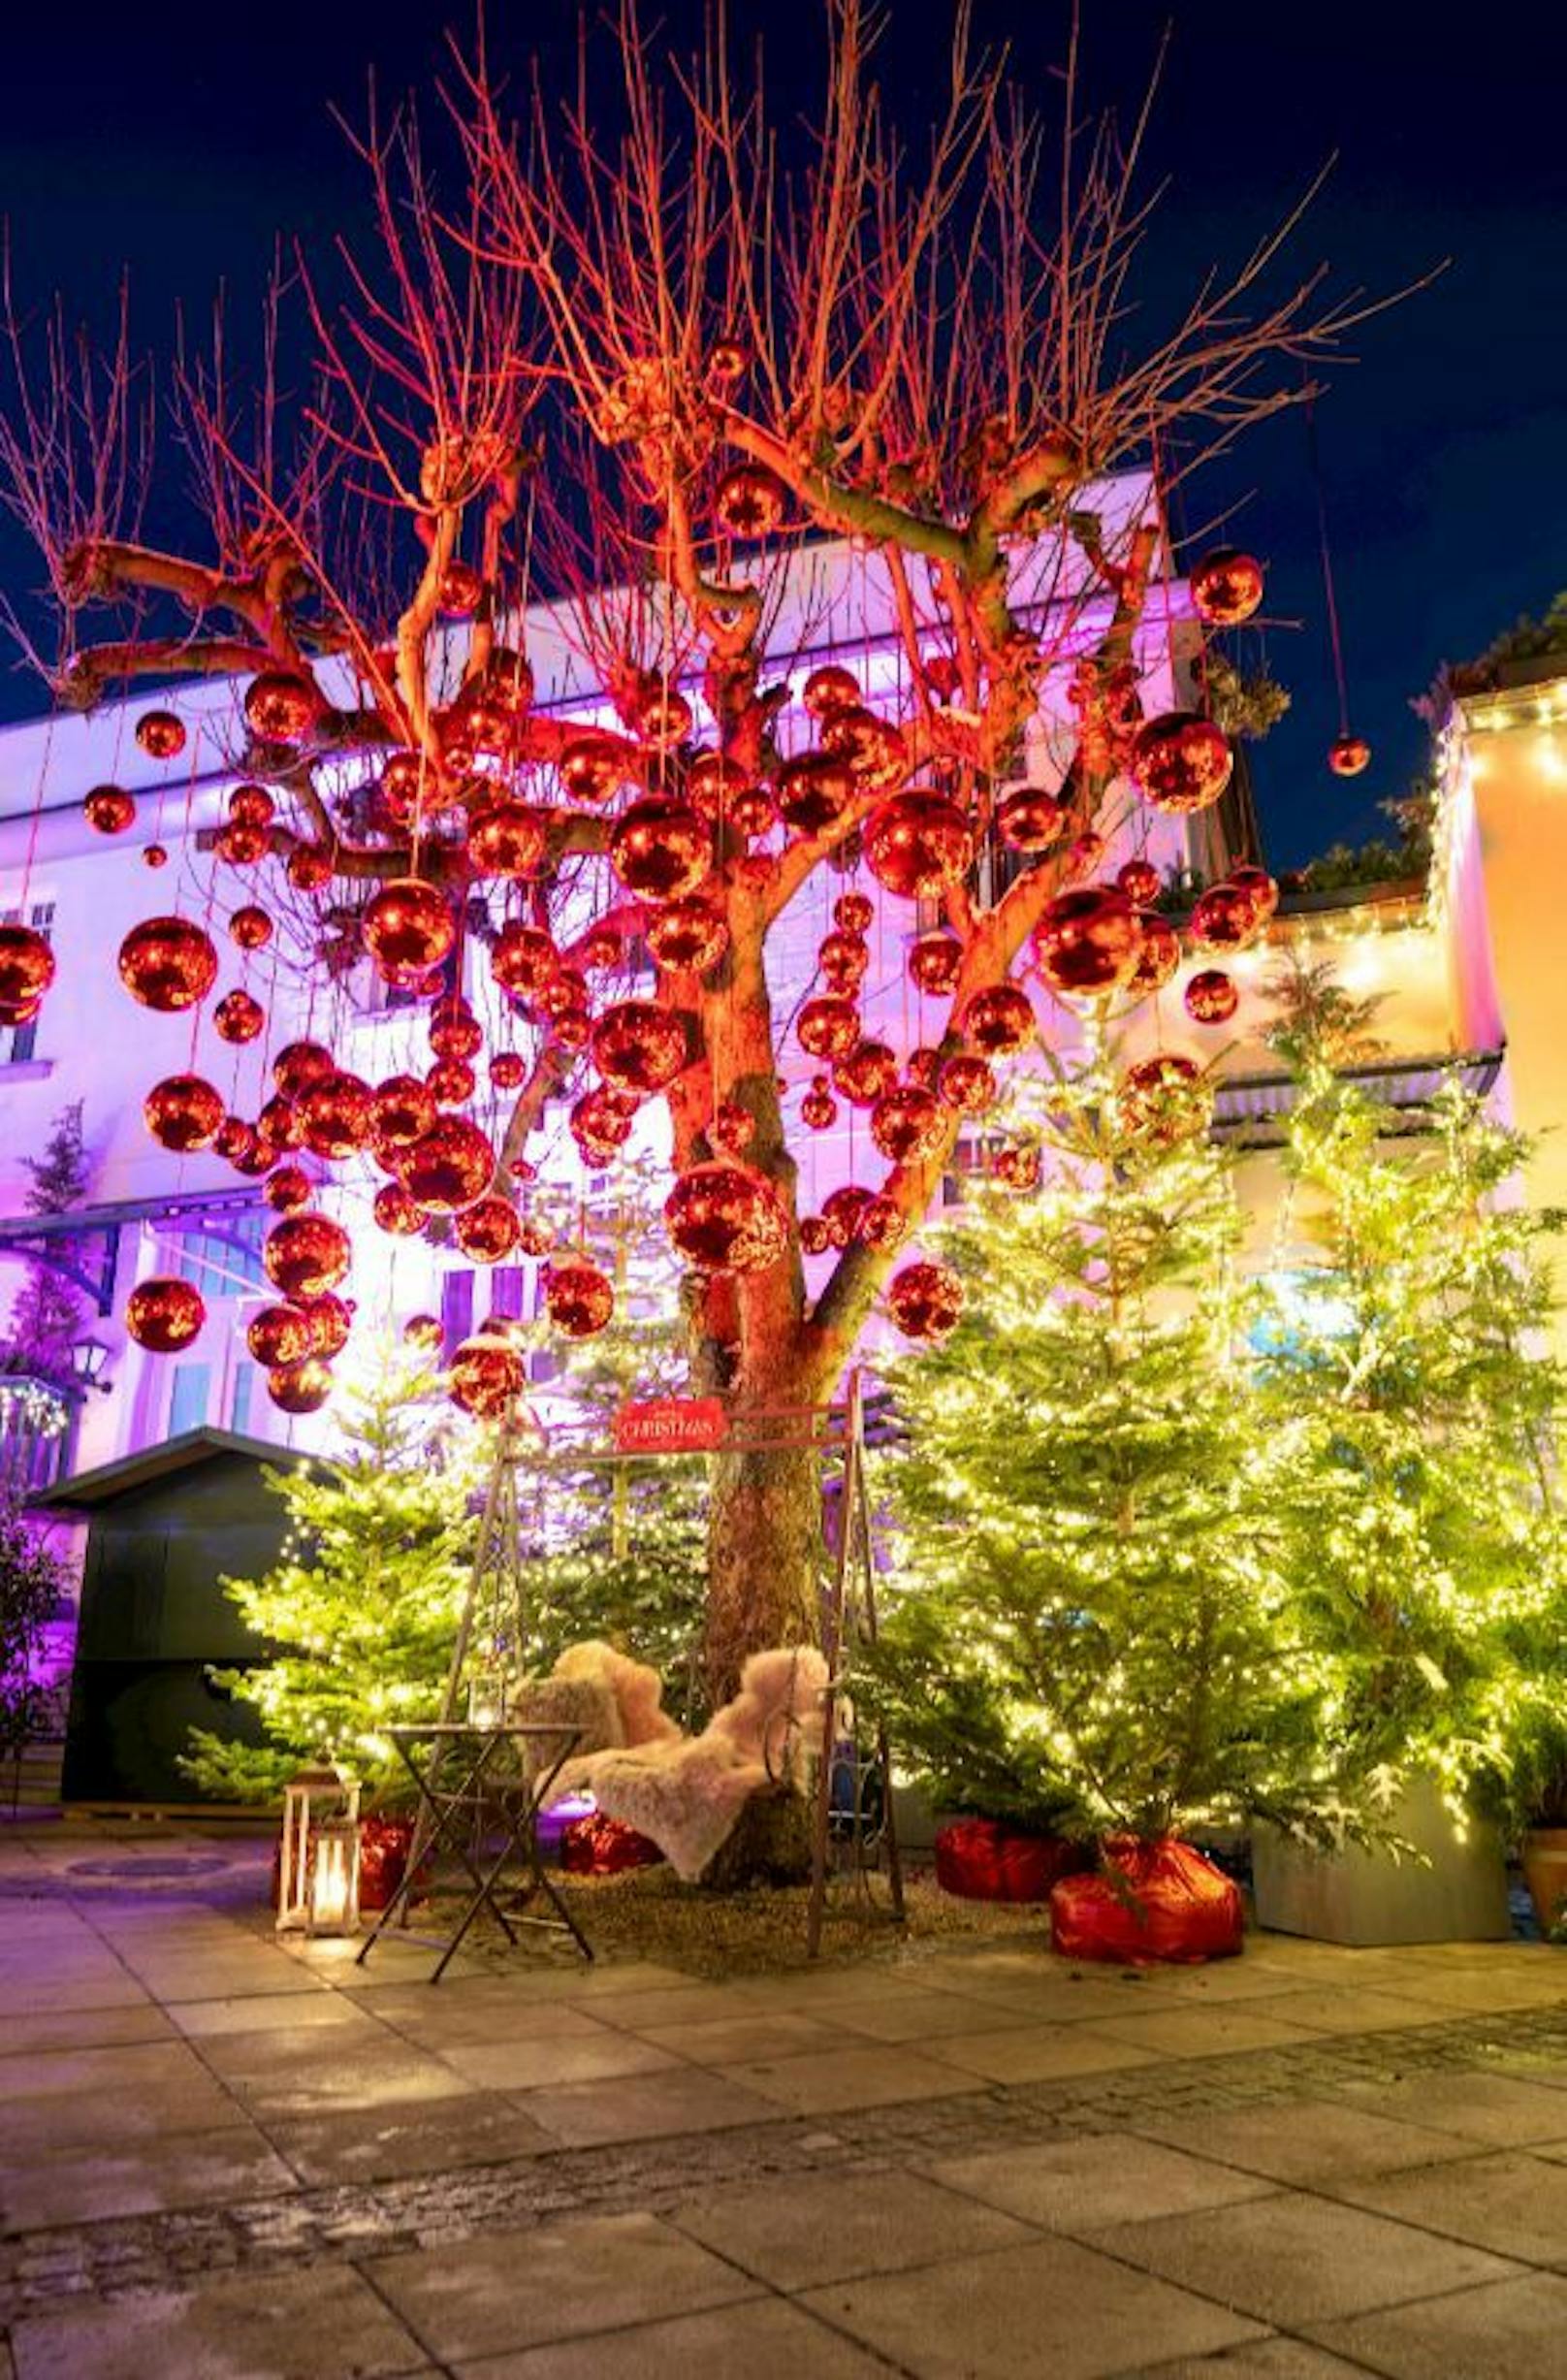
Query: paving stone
{"points": [[291, 2013], [1036, 2053], [73, 2123], [761, 2339], [1215, 2032], [1495, 2108], [1509, 2330], [523, 2289], [1077, 2314], [1268, 2359], [732, 2041], [50, 2029], [551, 2060], [1313, 2143], [417, 2135], [202, 2168], [1085, 2185], [836, 2226], [1512, 2203], [843, 2078], [1328, 2009], [686, 2099], [300, 2326]]}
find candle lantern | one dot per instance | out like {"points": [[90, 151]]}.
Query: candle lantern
{"points": [[318, 1869]]}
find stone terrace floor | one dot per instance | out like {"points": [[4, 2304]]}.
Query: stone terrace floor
{"points": [[222, 2158]]}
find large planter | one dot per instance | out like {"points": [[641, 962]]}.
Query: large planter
{"points": [[1459, 1893], [1545, 1872]]}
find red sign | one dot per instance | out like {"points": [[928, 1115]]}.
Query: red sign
{"points": [[671, 1425]]}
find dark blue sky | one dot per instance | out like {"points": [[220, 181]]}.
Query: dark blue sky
{"points": [[178, 141]]}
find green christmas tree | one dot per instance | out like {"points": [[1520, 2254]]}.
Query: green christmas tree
{"points": [[1088, 1630], [45, 1317], [363, 1603]]}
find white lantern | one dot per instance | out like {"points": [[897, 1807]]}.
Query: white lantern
{"points": [[318, 1869]]}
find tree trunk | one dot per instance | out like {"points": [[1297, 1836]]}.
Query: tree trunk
{"points": [[764, 1560]]}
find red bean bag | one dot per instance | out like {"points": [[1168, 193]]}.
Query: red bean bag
{"points": [[602, 1846], [983, 1860], [1148, 1902]]}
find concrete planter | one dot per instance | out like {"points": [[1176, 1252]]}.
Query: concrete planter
{"points": [[1545, 1872], [1364, 1897]]}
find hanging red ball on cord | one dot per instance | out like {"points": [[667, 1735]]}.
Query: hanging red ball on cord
{"points": [[238, 1017], [331, 1319], [593, 767], [250, 927], [308, 867], [287, 1189], [489, 1230], [726, 1218], [1031, 820], [925, 1299], [424, 1332], [1212, 997], [600, 1123], [280, 1334], [109, 809], [842, 1209], [506, 838], [1225, 918], [865, 1073], [451, 1082], [1226, 587], [1165, 1096], [967, 1084], [873, 748], [935, 963], [299, 1064], [1180, 763], [664, 716], [999, 1022], [281, 706], [182, 1112], [854, 912], [827, 1027], [1348, 754], [408, 930], [396, 1213], [917, 844], [449, 1166], [251, 805], [844, 959], [486, 1374], [813, 791], [639, 1046], [508, 1070], [1140, 881], [523, 959], [161, 734], [336, 1115], [831, 688], [299, 1388], [280, 1125], [459, 588], [27, 967], [304, 1254], [455, 1032], [168, 964], [924, 1067], [1260, 887], [237, 1141], [1159, 954], [734, 1128], [908, 1123], [816, 1235], [883, 1223], [1019, 1169], [749, 502], [686, 937], [1087, 942], [818, 1109], [154, 857], [659, 849], [578, 1298], [164, 1314]]}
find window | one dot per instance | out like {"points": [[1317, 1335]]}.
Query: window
{"points": [[20, 1042], [187, 1399], [244, 1381], [228, 1267]]}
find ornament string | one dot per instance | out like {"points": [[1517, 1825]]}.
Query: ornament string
{"points": [[1329, 592]]}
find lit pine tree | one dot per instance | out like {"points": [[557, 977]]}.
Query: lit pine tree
{"points": [[45, 1317]]}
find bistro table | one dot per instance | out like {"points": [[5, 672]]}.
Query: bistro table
{"points": [[481, 1786]]}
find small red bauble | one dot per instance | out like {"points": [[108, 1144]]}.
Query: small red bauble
{"points": [[423, 1331], [925, 1299], [818, 1109], [287, 1189], [27, 967], [523, 959], [1165, 1095], [299, 1064], [336, 1115], [935, 962], [251, 805], [280, 1334], [331, 1319], [395, 1211], [728, 361], [402, 786], [1159, 954], [508, 1071], [308, 867], [842, 1209], [250, 927], [1138, 879], [967, 1084], [449, 1168], [816, 1235], [828, 1027], [485, 1374], [829, 689], [734, 1128], [455, 1032], [161, 735], [999, 1022], [686, 937], [752, 811], [749, 502], [280, 1125], [813, 791], [659, 849], [238, 1142], [1225, 918], [154, 857], [843, 959], [882, 1224], [854, 912], [866, 1073], [601, 947], [532, 1240], [593, 767], [1180, 763], [578, 1298], [237, 1017], [1019, 1169], [1260, 888], [299, 1388], [714, 784], [917, 844], [1031, 820], [164, 1314], [304, 1254], [1348, 754], [638, 1047], [451, 1082], [109, 809], [167, 964], [726, 1218], [1087, 942], [408, 930], [458, 590], [1226, 587], [873, 748], [664, 716], [182, 1112], [489, 1230], [1212, 997], [600, 1122], [280, 706], [908, 1124], [506, 838], [924, 1067]]}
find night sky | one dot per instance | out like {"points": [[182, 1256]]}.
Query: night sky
{"points": [[180, 142]]}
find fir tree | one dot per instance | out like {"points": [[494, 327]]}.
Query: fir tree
{"points": [[45, 1318], [1088, 1630], [32, 1584]]}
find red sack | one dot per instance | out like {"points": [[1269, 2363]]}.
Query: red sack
{"points": [[384, 1845], [1148, 1902], [982, 1861], [600, 1846]]}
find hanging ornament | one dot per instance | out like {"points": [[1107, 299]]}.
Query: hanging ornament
{"points": [[924, 1067], [281, 707], [565, 991], [829, 689], [299, 1388], [882, 1224], [713, 782], [449, 1166], [397, 1212], [424, 1332], [505, 838], [27, 968], [816, 1235], [734, 1128], [280, 1334], [238, 1017], [999, 1022], [935, 963], [749, 502], [299, 1064], [336, 1115], [408, 930], [818, 1109], [1348, 754], [1226, 587], [250, 927], [161, 735], [167, 964], [304, 1254], [401, 787], [594, 767], [854, 912], [251, 805], [752, 812], [154, 857], [280, 1125], [1018, 1167], [578, 1298], [182, 1112], [460, 589], [532, 1240], [967, 1084], [523, 959], [330, 1320], [874, 748], [488, 1231], [843, 960], [487, 1373], [1164, 1096], [1260, 888], [917, 844], [601, 947], [638, 1047], [865, 1073], [1031, 820], [728, 361], [659, 849], [1212, 997], [1225, 918], [164, 1314], [827, 1027], [1180, 763], [109, 809], [508, 1071], [726, 1218], [451, 1082], [908, 1124], [236, 1142], [686, 937], [664, 716], [601, 1122], [1159, 954], [842, 1209], [308, 867], [1140, 881], [813, 791], [1087, 942], [287, 1189], [455, 1032], [926, 1300]]}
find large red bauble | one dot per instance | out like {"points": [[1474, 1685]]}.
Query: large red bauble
{"points": [[593, 767], [1212, 997], [935, 962], [1031, 820], [485, 1374], [182, 1112], [308, 867], [1226, 587], [240, 845], [843, 959], [238, 1142], [1225, 918], [237, 1017], [161, 734], [686, 937], [828, 1027], [926, 1300], [1138, 879], [917, 844], [1347, 755], [109, 809], [167, 964], [506, 838], [337, 1115], [164, 1314], [26, 967], [908, 1123], [251, 805], [1260, 888], [304, 1254], [280, 706], [873, 748], [1159, 954], [331, 1319], [726, 1218], [287, 1188], [638, 1047], [299, 1064], [299, 1388], [831, 688], [842, 1209], [280, 1125], [813, 791], [578, 1298], [715, 782], [508, 683], [489, 1230], [659, 849], [1180, 763], [854, 912], [408, 930], [1087, 942], [999, 1022], [601, 1122], [967, 1084], [749, 502], [280, 1334], [523, 959], [250, 927], [882, 1224], [866, 1073], [395, 1211], [449, 1168], [451, 1082]]}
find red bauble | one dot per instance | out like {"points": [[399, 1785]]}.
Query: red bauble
{"points": [[337, 1115], [1087, 942], [843, 959], [508, 1070], [237, 1017], [601, 947], [1226, 587], [460, 589], [593, 767], [182, 1112], [26, 967], [734, 1128], [728, 361], [924, 1067], [1212, 997], [752, 811], [251, 805], [287, 1189], [280, 1125], [601, 1122], [1031, 820], [816, 1235], [854, 912], [686, 937], [455, 1032], [451, 1082], [873, 748], [935, 963], [308, 867], [917, 844], [1260, 888], [167, 964], [925, 1299], [154, 857], [842, 1209], [304, 1254], [578, 1298], [280, 1334], [908, 1123], [638, 1047], [299, 1388], [408, 929], [164, 1314], [161, 735], [1225, 918], [533, 1239], [489, 1230], [1180, 763], [828, 1027], [818, 1109], [866, 1073], [829, 689], [523, 959], [485, 1373], [726, 1218], [882, 1224], [1165, 1095], [659, 849], [1348, 754], [1138, 879], [423, 1331], [237, 1141], [967, 1084], [299, 1064], [999, 1022], [749, 502], [506, 838], [109, 809], [449, 1166], [280, 706], [1018, 1167], [250, 927], [402, 786], [396, 1213], [813, 791], [664, 716], [331, 1319]]}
